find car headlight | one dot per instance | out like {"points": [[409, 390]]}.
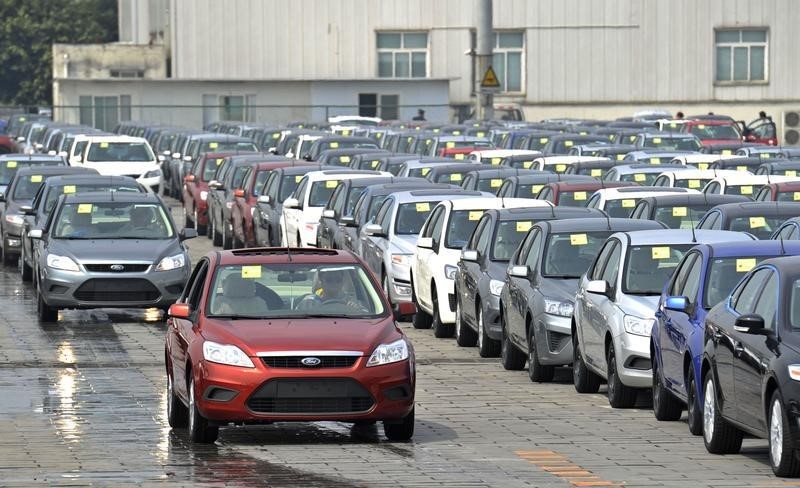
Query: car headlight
{"points": [[389, 353], [496, 287], [638, 326], [171, 262], [558, 307], [450, 272], [252, 211], [15, 219], [404, 259], [794, 371], [153, 173], [229, 205], [61, 262], [226, 354], [203, 195]]}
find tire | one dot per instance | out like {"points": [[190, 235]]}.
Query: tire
{"points": [[487, 347], [782, 455], [585, 380], [693, 407], [44, 312], [227, 242], [619, 395], [665, 406], [511, 358], [210, 229], [537, 372], [719, 436], [25, 271], [400, 431], [217, 235], [199, 430], [421, 320], [440, 330], [201, 229], [465, 336], [177, 413]]}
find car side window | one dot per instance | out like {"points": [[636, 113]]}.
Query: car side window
{"points": [[708, 221], [479, 231], [593, 202], [713, 187], [596, 271], [522, 251], [358, 209], [432, 221], [638, 211], [692, 283], [768, 301], [468, 182], [545, 194], [300, 191], [336, 199], [532, 259], [195, 285], [661, 181], [746, 296], [611, 269], [679, 276], [504, 190], [383, 210], [763, 195], [437, 229], [794, 232], [784, 231], [271, 186], [485, 237]]}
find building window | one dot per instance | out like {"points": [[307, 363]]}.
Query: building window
{"points": [[507, 60], [402, 54], [237, 108], [104, 113], [741, 55], [127, 73], [390, 107], [367, 104]]}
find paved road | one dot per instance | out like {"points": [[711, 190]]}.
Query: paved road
{"points": [[82, 402]]}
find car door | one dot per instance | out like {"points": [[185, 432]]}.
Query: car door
{"points": [[422, 276], [371, 249], [291, 216], [182, 332], [586, 302], [603, 308], [326, 224], [468, 271]]}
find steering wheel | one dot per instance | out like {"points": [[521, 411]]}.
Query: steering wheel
{"points": [[346, 303], [306, 301]]}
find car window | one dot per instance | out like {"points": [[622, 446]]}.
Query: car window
{"points": [[473, 240], [460, 226], [692, 284], [593, 202], [25, 187], [532, 258], [350, 200], [482, 244], [300, 192], [508, 236], [569, 255], [258, 184], [321, 192], [679, 277], [708, 221], [768, 301], [648, 268], [239, 175], [761, 226], [747, 294], [611, 269], [724, 274], [382, 212], [384, 219], [545, 194], [712, 187], [55, 191], [337, 199], [434, 223], [195, 285], [113, 220], [505, 190], [210, 166], [596, 270]]}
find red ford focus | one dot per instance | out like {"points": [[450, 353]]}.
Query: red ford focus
{"points": [[268, 335]]}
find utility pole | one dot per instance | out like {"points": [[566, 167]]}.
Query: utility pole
{"points": [[485, 43]]}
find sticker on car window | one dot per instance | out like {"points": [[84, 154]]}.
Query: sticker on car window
{"points": [[455, 177], [578, 239], [756, 222], [597, 172], [796, 196], [456, 132], [655, 161], [475, 214], [425, 171], [495, 183], [276, 135], [524, 226], [69, 189], [423, 207], [744, 265], [567, 143], [480, 134], [11, 164], [639, 177], [579, 196], [620, 157], [726, 152], [219, 161], [331, 184], [694, 183], [527, 164], [764, 155], [84, 208], [701, 126], [104, 145], [679, 211], [656, 140], [213, 145], [344, 159], [450, 145], [741, 168], [346, 132], [746, 190], [560, 168], [334, 145], [495, 161], [298, 178], [36, 178], [660, 253], [543, 140], [790, 172], [628, 203], [375, 163], [703, 166], [251, 272], [458, 156]]}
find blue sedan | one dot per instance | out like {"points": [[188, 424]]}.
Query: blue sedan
{"points": [[705, 276]]}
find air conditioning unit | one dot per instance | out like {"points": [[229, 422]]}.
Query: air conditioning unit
{"points": [[791, 128]]}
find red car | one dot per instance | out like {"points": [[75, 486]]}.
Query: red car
{"points": [[784, 191], [575, 193], [274, 334], [195, 190], [713, 131]]}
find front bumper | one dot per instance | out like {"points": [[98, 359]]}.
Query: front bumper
{"points": [[12, 243], [445, 290], [554, 339], [633, 360], [491, 317], [390, 388], [152, 183]]}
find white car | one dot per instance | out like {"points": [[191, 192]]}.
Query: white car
{"points": [[419, 168], [495, 156], [114, 155], [302, 210], [742, 183], [699, 160], [616, 303], [558, 164], [694, 179], [433, 268], [302, 145], [619, 202]]}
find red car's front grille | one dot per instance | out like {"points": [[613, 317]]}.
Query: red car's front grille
{"points": [[295, 362], [310, 396]]}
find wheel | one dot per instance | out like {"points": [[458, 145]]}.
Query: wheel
{"points": [[385, 284], [400, 431], [487, 347], [177, 413], [25, 271], [585, 381], [201, 229], [465, 336], [440, 329], [665, 406], [421, 320], [511, 357], [782, 455], [227, 242], [537, 371], [44, 312], [719, 436], [693, 407], [199, 430], [217, 235], [210, 228], [619, 395]]}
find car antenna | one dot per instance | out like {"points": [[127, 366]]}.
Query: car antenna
{"points": [[691, 220], [777, 214], [286, 226]]}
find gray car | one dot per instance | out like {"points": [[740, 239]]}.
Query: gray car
{"points": [[110, 250]]}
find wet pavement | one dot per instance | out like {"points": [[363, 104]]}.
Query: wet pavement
{"points": [[82, 403]]}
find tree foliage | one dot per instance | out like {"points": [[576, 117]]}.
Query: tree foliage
{"points": [[28, 30]]}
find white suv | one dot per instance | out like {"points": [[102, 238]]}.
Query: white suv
{"points": [[122, 156]]}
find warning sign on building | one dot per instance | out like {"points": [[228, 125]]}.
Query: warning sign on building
{"points": [[489, 82]]}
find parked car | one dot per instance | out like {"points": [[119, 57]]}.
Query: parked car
{"points": [[641, 173], [785, 191], [694, 179], [669, 141], [759, 219], [575, 193], [743, 183], [713, 131], [784, 167], [529, 185], [741, 163], [680, 211], [195, 190], [11, 163]]}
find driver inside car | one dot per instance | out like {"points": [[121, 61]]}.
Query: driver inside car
{"points": [[333, 289]]}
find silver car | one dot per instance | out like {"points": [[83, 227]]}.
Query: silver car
{"points": [[109, 250]]}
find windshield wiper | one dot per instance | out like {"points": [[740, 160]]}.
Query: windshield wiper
{"points": [[561, 277], [643, 293], [327, 316], [239, 317]]}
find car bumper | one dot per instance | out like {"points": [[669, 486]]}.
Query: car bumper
{"points": [[12, 244], [491, 317], [633, 360], [390, 389], [152, 183], [445, 290], [554, 339]]}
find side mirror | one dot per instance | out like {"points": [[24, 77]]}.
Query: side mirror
{"points": [[179, 310], [291, 202], [679, 304], [374, 230], [20, 138], [238, 193], [176, 155], [35, 233], [425, 242], [518, 272], [187, 234], [347, 221], [187, 158], [27, 210], [263, 199], [328, 214], [162, 158], [469, 255], [214, 185], [51, 152], [188, 178], [749, 324], [598, 287], [2, 197]]}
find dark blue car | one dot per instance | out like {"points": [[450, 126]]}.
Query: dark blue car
{"points": [[703, 278]]}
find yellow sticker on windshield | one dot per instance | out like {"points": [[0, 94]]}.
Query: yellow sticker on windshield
{"points": [[450, 145], [796, 196], [458, 156], [639, 177], [660, 253], [679, 211], [213, 145], [702, 166], [756, 222], [579, 196], [524, 226], [746, 190], [656, 140], [298, 178], [84, 208], [611, 137], [36, 178], [673, 124], [701, 126], [480, 134], [495, 161], [628, 203], [597, 172], [560, 168], [745, 265], [568, 143], [425, 171], [578, 239], [790, 172], [251, 272], [495, 183], [331, 184], [423, 207], [694, 183], [69, 189], [379, 135], [219, 161], [535, 189], [542, 140], [375, 163], [741, 168], [527, 164], [655, 161], [475, 214], [620, 157], [344, 159], [334, 145], [764, 155], [726, 152], [104, 145], [276, 135], [11, 164], [455, 177], [346, 132], [456, 132]]}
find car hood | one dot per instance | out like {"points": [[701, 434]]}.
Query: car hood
{"points": [[122, 168], [116, 250], [640, 306], [497, 270], [303, 334], [559, 289], [404, 244]]}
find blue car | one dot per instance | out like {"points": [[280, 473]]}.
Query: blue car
{"points": [[703, 278]]}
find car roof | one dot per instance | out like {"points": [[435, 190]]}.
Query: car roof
{"points": [[349, 173], [301, 169], [112, 197], [495, 172], [683, 236], [218, 136], [713, 199], [763, 247], [688, 174], [546, 177], [788, 264], [282, 255], [89, 178], [493, 202], [419, 195], [53, 170], [29, 157], [615, 224], [624, 169], [743, 178], [551, 211], [588, 185], [746, 208]]}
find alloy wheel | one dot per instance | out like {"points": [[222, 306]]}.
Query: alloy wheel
{"points": [[776, 432]]}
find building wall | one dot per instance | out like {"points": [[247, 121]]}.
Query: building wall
{"points": [[143, 21], [108, 60]]}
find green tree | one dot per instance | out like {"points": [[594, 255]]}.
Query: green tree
{"points": [[28, 30]]}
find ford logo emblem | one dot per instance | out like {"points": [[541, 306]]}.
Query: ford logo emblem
{"points": [[117, 267], [311, 361]]}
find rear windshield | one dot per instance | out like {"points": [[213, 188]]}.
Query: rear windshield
{"points": [[569, 255], [460, 227], [761, 226], [321, 192], [681, 216], [119, 151], [621, 208], [644, 179], [411, 216]]}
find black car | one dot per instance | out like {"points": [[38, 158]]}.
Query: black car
{"points": [[738, 164], [337, 142], [344, 157], [758, 218], [540, 283], [491, 179], [529, 185], [779, 167], [595, 169], [751, 365], [481, 270], [680, 211]]}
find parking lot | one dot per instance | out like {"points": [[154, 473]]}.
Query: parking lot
{"points": [[84, 403]]}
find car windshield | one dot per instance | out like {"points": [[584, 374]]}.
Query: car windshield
{"points": [[621, 207], [508, 234], [569, 255], [573, 198], [210, 168], [421, 172], [643, 178], [673, 143], [321, 192], [490, 184], [113, 220], [647, 268], [715, 132], [693, 183], [460, 227], [761, 226], [228, 146], [747, 190], [263, 291], [788, 196], [528, 191], [119, 151], [9, 168], [723, 276], [289, 184], [345, 144], [681, 216], [57, 190], [455, 177], [411, 216], [26, 187]]}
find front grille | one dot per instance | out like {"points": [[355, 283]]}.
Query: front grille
{"points": [[557, 340], [294, 362], [451, 299], [107, 268], [310, 396], [117, 290]]}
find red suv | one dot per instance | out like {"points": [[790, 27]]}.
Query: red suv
{"points": [[195, 190], [277, 334], [713, 131]]}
